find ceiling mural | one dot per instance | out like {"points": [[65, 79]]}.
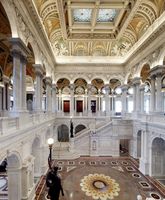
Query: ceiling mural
{"points": [[96, 28]]}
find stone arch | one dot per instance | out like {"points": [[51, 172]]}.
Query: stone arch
{"points": [[158, 157], [63, 133], [62, 77], [81, 77], [139, 140], [11, 17], [14, 172], [62, 82], [144, 73], [14, 160], [118, 77], [79, 128], [141, 66], [37, 155]]}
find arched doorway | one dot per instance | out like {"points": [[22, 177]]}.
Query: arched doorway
{"points": [[36, 153], [158, 157], [79, 128], [63, 133], [139, 136], [14, 176]]}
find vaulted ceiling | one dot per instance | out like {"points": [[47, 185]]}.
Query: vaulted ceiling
{"points": [[96, 27]]}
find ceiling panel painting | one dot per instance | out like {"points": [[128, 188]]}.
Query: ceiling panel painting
{"points": [[114, 25]]}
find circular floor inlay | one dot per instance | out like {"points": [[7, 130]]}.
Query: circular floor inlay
{"points": [[99, 186], [155, 196]]}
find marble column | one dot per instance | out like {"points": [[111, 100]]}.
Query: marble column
{"points": [[38, 90], [157, 72], [72, 99], [144, 161], [107, 100], [60, 100], [159, 99], [48, 82], [19, 53], [136, 95], [124, 89], [6, 96], [142, 87], [23, 83], [54, 109], [16, 81], [89, 99], [152, 96]]}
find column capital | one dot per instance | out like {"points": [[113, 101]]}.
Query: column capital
{"points": [[157, 71], [107, 89], [18, 47], [142, 87], [72, 86], [6, 79], [38, 69], [124, 87], [54, 86], [136, 81], [48, 80], [89, 86]]}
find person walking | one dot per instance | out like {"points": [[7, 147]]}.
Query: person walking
{"points": [[53, 182]]}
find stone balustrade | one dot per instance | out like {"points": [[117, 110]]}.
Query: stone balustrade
{"points": [[11, 124]]}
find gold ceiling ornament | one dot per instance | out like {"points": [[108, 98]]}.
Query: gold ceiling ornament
{"points": [[100, 186]]}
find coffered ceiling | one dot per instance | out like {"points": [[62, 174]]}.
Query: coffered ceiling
{"points": [[96, 27]]}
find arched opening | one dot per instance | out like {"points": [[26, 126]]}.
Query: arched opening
{"points": [[97, 85], [158, 158], [79, 128], [115, 93], [80, 85], [63, 133], [139, 137], [37, 155], [63, 92], [145, 72], [14, 179]]}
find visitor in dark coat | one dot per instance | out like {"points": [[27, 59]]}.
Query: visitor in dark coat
{"points": [[53, 182]]}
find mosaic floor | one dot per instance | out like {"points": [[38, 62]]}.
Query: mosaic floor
{"points": [[104, 178]]}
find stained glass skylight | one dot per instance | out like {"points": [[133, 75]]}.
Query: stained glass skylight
{"points": [[82, 15], [106, 15]]}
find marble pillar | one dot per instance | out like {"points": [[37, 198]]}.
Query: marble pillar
{"points": [[142, 87], [54, 108], [38, 89], [152, 96], [72, 99], [19, 53], [6, 94], [48, 82], [124, 98]]}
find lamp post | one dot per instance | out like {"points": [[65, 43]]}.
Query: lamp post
{"points": [[71, 129], [50, 142]]}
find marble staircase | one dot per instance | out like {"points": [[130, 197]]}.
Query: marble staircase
{"points": [[62, 151]]}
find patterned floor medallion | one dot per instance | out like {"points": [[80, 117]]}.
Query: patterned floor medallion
{"points": [[99, 186]]}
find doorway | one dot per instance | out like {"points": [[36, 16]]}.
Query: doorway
{"points": [[66, 106], [93, 106], [79, 106]]}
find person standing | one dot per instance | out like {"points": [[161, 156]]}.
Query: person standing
{"points": [[53, 182]]}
